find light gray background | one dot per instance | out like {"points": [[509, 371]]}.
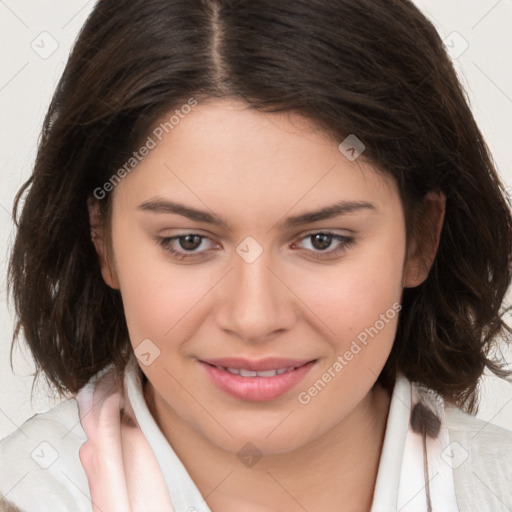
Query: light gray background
{"points": [[31, 30]]}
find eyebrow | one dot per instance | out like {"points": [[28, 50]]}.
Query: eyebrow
{"points": [[158, 205]]}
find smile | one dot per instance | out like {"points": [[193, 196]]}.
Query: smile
{"points": [[256, 381], [251, 373]]}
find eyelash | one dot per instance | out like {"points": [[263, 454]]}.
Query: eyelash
{"points": [[345, 243]]}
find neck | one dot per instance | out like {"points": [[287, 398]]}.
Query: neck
{"points": [[340, 467]]}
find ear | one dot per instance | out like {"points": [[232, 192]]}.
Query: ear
{"points": [[99, 239], [424, 240]]}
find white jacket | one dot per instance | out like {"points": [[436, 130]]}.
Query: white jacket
{"points": [[469, 462]]}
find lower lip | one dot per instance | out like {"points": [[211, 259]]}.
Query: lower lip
{"points": [[256, 389]]}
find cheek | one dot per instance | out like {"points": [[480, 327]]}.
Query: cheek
{"points": [[360, 302], [351, 296], [158, 296]]}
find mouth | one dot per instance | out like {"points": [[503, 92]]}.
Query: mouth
{"points": [[251, 373], [257, 381]]}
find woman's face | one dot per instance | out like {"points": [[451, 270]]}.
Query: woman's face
{"points": [[258, 282]]}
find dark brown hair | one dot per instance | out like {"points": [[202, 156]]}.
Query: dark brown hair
{"points": [[377, 69]]}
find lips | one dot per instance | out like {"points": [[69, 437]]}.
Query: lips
{"points": [[256, 380]]}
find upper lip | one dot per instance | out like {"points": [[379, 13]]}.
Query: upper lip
{"points": [[257, 365]]}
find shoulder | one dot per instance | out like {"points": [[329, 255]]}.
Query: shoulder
{"points": [[481, 457], [480, 435], [40, 467]]}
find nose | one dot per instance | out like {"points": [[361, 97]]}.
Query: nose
{"points": [[256, 303]]}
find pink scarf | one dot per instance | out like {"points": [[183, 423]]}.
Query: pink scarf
{"points": [[123, 473]]}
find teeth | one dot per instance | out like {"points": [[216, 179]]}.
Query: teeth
{"points": [[248, 373], [267, 373], [251, 373]]}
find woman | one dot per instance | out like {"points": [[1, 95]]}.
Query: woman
{"points": [[265, 249]]}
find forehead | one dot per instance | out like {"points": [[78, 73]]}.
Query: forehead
{"points": [[227, 156]]}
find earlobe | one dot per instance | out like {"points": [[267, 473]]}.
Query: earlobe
{"points": [[424, 241], [99, 240]]}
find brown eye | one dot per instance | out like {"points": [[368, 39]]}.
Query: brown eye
{"points": [[190, 242], [189, 245], [325, 244], [321, 241]]}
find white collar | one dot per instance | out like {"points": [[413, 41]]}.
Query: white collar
{"points": [[400, 484]]}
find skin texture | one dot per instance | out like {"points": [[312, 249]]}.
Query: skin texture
{"points": [[253, 170]]}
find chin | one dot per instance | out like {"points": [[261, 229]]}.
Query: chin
{"points": [[267, 437]]}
